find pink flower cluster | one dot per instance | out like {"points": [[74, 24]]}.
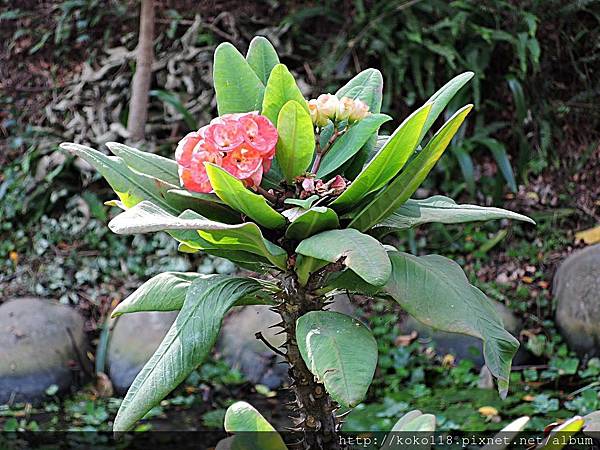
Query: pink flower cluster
{"points": [[242, 144]]}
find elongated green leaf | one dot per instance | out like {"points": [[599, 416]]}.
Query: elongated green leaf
{"points": [[363, 254], [262, 57], [256, 433], [207, 205], [280, 89], [146, 217], [435, 291], [340, 351], [500, 154], [233, 192], [404, 185], [312, 221], [346, 146], [296, 144], [192, 242], [147, 163], [131, 187], [164, 292], [173, 99], [366, 86], [440, 209], [187, 343], [442, 97], [388, 161], [237, 87]]}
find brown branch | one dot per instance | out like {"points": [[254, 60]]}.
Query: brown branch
{"points": [[138, 105]]}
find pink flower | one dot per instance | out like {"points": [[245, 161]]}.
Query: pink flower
{"points": [[224, 137], [194, 177], [243, 144], [259, 133]]}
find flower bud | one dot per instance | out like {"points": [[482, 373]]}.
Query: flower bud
{"points": [[313, 110], [327, 105], [359, 111], [344, 108]]}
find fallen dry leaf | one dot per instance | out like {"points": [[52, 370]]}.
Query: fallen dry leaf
{"points": [[488, 411], [589, 236]]}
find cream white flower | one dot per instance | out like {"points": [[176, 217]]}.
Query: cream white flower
{"points": [[327, 105], [359, 111], [345, 107], [313, 110]]}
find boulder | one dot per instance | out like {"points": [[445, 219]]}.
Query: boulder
{"points": [[577, 294], [462, 346], [240, 348], [42, 343], [134, 339]]}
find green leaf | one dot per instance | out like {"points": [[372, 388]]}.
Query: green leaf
{"points": [[306, 204], [296, 144], [256, 433], [233, 192], [173, 99], [262, 57], [435, 291], [131, 187], [442, 97], [237, 87], [387, 162], [164, 292], [281, 88], [146, 217], [404, 185], [501, 156], [366, 86], [187, 343], [208, 205], [440, 209], [340, 351], [346, 146], [305, 266], [147, 163], [312, 221], [414, 421], [361, 253]]}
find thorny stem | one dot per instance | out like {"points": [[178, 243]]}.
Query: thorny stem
{"points": [[314, 406], [321, 152]]}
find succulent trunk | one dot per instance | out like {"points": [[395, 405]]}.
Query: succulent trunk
{"points": [[314, 410]]}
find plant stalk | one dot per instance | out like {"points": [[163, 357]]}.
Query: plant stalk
{"points": [[313, 405]]}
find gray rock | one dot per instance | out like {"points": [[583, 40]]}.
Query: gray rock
{"points": [[462, 346], [42, 343], [134, 339], [577, 293], [240, 348]]}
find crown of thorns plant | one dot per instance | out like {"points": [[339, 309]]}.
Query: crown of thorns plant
{"points": [[305, 192]]}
